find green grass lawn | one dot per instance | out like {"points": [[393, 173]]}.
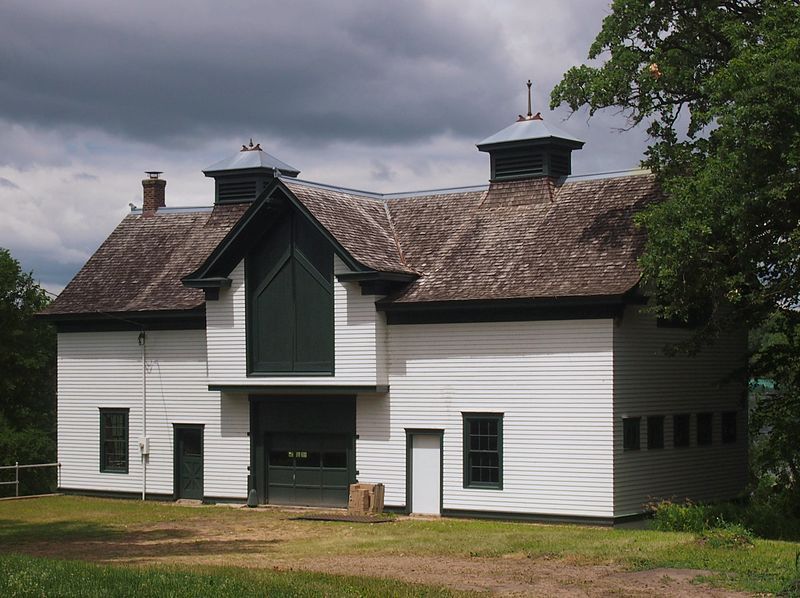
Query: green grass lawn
{"points": [[768, 566], [27, 576]]}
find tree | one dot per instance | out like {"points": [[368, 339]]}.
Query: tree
{"points": [[717, 83], [27, 369]]}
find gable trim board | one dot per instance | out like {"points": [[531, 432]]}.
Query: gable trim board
{"points": [[235, 244]]}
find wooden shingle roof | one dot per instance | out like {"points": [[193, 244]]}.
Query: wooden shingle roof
{"points": [[520, 240]]}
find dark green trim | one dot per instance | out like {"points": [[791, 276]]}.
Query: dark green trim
{"points": [[156, 496], [213, 282], [378, 283], [243, 172], [117, 494], [410, 433], [176, 457], [299, 390], [529, 517], [372, 275], [556, 142], [103, 411], [466, 417], [231, 250], [506, 310], [190, 319], [398, 509]]}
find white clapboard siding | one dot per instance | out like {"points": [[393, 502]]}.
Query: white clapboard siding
{"points": [[104, 369], [552, 380], [648, 382], [358, 337]]}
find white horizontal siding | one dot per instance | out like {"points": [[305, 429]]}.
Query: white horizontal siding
{"points": [[357, 338], [551, 380], [104, 369], [648, 382]]}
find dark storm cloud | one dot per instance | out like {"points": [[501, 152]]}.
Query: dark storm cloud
{"points": [[357, 71]]}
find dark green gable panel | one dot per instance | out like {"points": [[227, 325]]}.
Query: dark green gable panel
{"points": [[314, 321], [271, 323], [290, 300]]}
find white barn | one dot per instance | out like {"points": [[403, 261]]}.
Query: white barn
{"points": [[481, 351]]}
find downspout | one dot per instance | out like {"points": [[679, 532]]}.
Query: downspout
{"points": [[143, 345]]}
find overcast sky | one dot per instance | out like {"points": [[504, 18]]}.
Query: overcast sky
{"points": [[374, 95]]}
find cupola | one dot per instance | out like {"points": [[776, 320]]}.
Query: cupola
{"points": [[530, 148], [244, 175]]}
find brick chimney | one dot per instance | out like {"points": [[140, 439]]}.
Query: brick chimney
{"points": [[153, 192]]}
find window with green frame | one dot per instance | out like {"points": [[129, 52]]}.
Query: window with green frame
{"points": [[631, 433], [483, 450], [114, 440]]}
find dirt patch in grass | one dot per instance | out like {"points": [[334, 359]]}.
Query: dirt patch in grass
{"points": [[273, 540], [258, 546], [519, 575]]}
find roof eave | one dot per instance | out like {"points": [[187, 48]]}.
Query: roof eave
{"points": [[520, 143]]}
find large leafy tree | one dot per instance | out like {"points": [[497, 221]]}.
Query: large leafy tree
{"points": [[717, 84], [27, 370]]}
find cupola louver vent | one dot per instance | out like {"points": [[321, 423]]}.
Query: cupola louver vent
{"points": [[245, 175], [230, 191], [518, 165], [530, 149]]}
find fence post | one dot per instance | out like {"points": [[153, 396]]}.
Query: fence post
{"points": [[16, 478]]}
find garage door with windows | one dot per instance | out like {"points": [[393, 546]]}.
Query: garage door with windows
{"points": [[303, 450]]}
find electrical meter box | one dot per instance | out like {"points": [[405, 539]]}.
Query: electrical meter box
{"points": [[144, 446]]}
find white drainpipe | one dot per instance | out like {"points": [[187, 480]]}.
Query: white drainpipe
{"points": [[143, 344]]}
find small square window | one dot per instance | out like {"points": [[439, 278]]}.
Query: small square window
{"points": [[680, 430], [729, 427], [655, 431], [705, 429], [630, 433]]}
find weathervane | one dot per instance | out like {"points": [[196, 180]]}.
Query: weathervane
{"points": [[530, 115], [251, 147]]}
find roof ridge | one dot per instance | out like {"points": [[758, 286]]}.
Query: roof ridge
{"points": [[383, 197], [395, 238]]}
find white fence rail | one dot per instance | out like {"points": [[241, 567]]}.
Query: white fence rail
{"points": [[16, 467]]}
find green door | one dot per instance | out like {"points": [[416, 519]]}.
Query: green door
{"points": [[309, 469], [189, 462]]}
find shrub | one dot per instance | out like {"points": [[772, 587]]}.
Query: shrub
{"points": [[681, 517], [727, 535]]}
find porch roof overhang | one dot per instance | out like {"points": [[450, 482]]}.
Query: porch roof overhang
{"points": [[300, 389]]}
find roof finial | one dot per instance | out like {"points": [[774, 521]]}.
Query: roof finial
{"points": [[530, 115], [251, 147]]}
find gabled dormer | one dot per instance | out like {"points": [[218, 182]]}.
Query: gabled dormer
{"points": [[243, 176]]}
